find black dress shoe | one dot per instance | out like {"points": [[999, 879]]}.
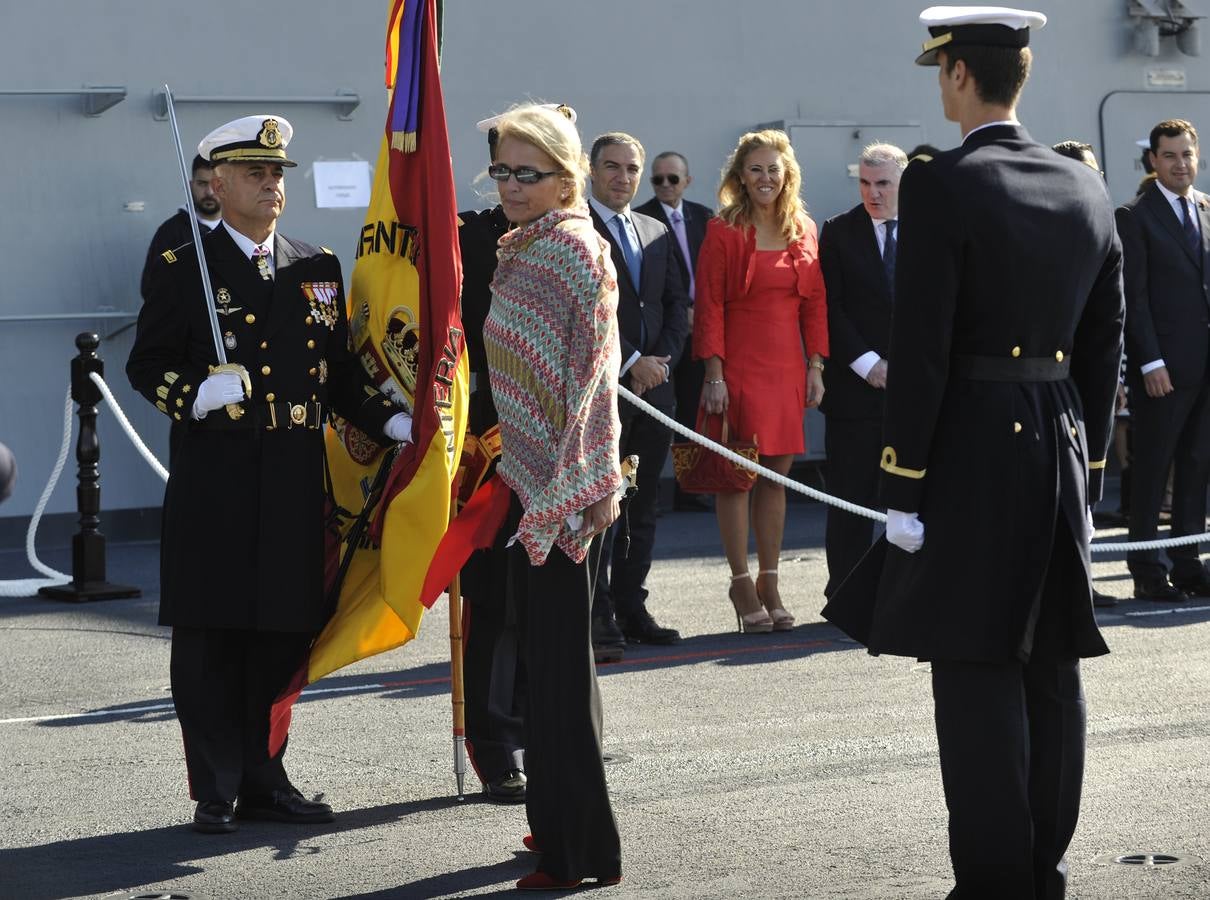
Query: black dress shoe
{"points": [[1157, 588], [214, 817], [1197, 586], [608, 642], [508, 788], [1103, 601], [640, 628], [286, 805]]}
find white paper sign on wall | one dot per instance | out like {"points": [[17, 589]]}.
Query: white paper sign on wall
{"points": [[342, 183]]}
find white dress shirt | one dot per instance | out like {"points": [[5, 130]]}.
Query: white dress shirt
{"points": [[248, 246]]}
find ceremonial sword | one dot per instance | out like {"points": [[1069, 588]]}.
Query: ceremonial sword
{"points": [[234, 410]]}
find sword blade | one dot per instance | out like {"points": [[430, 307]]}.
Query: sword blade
{"points": [[215, 332]]}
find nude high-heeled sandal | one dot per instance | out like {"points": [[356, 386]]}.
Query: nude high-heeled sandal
{"points": [[782, 619], [755, 622]]}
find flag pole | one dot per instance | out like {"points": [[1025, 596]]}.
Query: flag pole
{"points": [[457, 685]]}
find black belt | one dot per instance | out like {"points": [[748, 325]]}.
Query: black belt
{"points": [[1008, 368], [283, 414]]}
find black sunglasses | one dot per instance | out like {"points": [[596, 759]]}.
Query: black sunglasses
{"points": [[523, 174], [658, 180]]}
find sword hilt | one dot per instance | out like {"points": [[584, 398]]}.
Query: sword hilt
{"points": [[234, 410]]}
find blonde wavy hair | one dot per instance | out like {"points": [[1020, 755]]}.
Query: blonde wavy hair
{"points": [[555, 135], [734, 205]]}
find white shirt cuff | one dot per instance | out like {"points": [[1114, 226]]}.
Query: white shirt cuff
{"points": [[634, 358], [1152, 366], [862, 364]]}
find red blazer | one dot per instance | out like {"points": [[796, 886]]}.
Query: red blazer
{"points": [[724, 271]]}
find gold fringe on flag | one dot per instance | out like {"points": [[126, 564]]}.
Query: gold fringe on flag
{"points": [[404, 141]]}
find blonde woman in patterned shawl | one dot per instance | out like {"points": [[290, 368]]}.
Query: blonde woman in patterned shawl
{"points": [[552, 352]]}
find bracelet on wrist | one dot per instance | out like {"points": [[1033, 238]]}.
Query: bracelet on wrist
{"points": [[715, 381], [816, 364]]}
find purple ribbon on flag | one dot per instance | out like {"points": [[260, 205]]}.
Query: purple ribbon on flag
{"points": [[405, 108]]}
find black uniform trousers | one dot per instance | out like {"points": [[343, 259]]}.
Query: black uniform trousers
{"points": [[224, 682], [853, 447], [1171, 431], [567, 799], [1011, 737], [625, 562], [493, 669]]}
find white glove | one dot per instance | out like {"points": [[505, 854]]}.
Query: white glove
{"points": [[904, 530], [1091, 525], [216, 392], [398, 428]]}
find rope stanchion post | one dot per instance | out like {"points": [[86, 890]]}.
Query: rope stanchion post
{"points": [[88, 544]]}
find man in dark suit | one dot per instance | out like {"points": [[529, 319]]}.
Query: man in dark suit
{"points": [[686, 221], [175, 230], [1165, 235], [1003, 368], [242, 549], [651, 329], [857, 251]]}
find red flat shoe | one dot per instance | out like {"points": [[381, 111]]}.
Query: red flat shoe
{"points": [[540, 881], [530, 844]]}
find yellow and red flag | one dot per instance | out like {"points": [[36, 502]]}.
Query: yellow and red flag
{"points": [[405, 326]]}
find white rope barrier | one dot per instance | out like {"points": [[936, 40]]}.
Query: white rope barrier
{"points": [[678, 428], [127, 427], [25, 587], [28, 586]]}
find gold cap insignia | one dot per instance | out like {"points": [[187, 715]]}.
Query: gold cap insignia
{"points": [[269, 135]]}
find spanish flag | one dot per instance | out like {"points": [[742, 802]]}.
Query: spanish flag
{"points": [[391, 510]]}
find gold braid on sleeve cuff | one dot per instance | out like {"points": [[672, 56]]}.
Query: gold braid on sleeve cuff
{"points": [[174, 395], [1096, 464], [889, 464]]}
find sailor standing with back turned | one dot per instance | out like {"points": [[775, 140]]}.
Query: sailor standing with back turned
{"points": [[1003, 365]]}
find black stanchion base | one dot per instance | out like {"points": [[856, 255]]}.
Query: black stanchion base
{"points": [[89, 591]]}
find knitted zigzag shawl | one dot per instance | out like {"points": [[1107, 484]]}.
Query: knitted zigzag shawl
{"points": [[552, 352]]}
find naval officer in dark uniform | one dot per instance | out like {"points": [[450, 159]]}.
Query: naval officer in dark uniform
{"points": [[1003, 368], [493, 664], [242, 548]]}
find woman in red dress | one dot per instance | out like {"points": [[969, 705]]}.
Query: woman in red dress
{"points": [[760, 325]]}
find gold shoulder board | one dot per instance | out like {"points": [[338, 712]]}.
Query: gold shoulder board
{"points": [[169, 256]]}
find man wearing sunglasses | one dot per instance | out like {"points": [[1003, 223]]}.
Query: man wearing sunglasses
{"points": [[686, 221], [652, 326]]}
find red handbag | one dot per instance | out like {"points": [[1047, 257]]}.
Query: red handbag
{"points": [[700, 470]]}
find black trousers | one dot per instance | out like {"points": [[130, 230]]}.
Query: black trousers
{"points": [[622, 574], [567, 799], [853, 447], [687, 380], [223, 685], [1011, 737], [1169, 432], [493, 668]]}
